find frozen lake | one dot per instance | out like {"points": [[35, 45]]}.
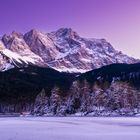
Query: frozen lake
{"points": [[70, 128]]}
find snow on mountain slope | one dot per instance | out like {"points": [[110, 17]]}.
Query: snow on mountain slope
{"points": [[16, 57], [63, 50], [10, 58], [18, 53], [16, 43]]}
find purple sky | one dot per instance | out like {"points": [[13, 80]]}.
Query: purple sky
{"points": [[118, 21]]}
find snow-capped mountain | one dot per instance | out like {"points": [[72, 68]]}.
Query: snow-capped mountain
{"points": [[29, 84], [63, 50]]}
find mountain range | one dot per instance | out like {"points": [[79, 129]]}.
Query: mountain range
{"points": [[63, 50], [61, 73]]}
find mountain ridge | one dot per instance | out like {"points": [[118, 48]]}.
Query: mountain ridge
{"points": [[63, 50]]}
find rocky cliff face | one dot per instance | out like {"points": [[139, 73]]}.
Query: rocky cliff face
{"points": [[63, 50]]}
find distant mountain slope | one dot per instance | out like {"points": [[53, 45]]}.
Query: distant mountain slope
{"points": [[63, 50], [20, 86], [114, 72]]}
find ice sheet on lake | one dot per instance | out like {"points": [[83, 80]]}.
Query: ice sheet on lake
{"points": [[70, 128]]}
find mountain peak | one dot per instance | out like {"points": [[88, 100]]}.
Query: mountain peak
{"points": [[13, 35], [16, 34], [32, 32], [66, 32]]}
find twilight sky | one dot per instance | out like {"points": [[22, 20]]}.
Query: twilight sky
{"points": [[118, 21]]}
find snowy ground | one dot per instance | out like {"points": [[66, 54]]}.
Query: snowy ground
{"points": [[70, 128]]}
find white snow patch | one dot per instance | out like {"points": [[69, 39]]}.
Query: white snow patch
{"points": [[70, 70], [85, 60], [6, 67], [16, 57]]}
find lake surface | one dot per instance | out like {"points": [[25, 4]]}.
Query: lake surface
{"points": [[70, 128]]}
